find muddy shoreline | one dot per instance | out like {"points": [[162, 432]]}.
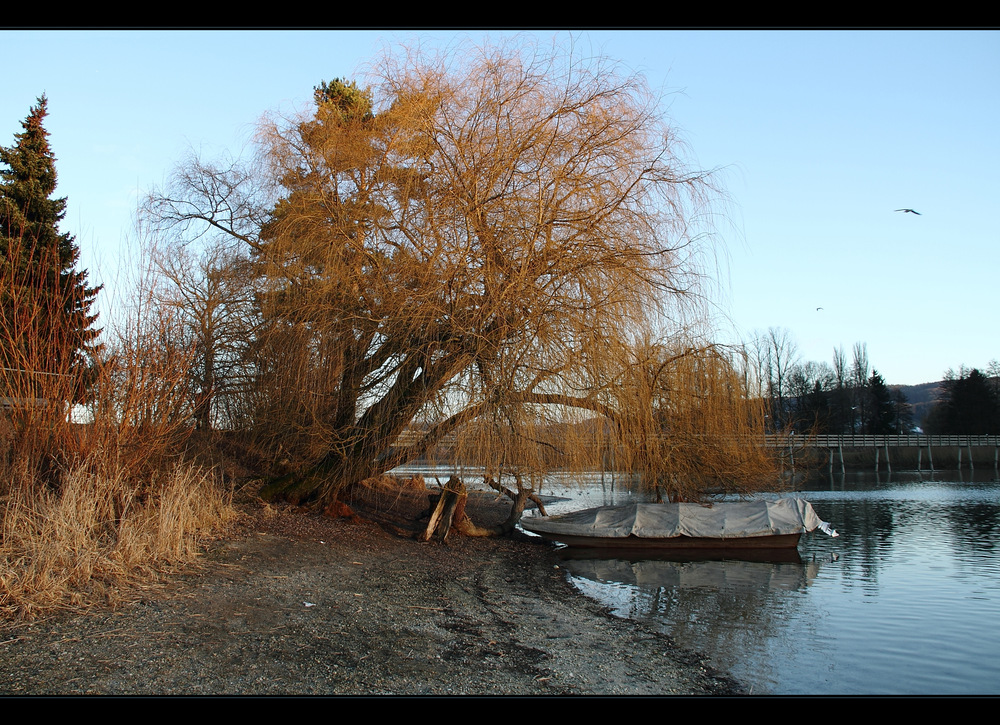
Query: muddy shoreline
{"points": [[293, 603]]}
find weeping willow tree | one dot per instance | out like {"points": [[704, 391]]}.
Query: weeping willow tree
{"points": [[687, 427], [461, 253]]}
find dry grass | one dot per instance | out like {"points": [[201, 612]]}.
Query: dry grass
{"points": [[92, 539]]}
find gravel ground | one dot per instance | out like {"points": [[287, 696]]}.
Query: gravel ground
{"points": [[295, 603]]}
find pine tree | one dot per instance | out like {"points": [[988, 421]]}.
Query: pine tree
{"points": [[881, 407], [46, 326]]}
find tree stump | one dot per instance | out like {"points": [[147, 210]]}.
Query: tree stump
{"points": [[452, 498]]}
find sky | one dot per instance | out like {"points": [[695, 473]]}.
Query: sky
{"points": [[816, 137]]}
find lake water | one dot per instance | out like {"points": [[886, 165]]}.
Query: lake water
{"points": [[905, 602]]}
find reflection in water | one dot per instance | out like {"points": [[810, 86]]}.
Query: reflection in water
{"points": [[723, 602], [750, 578]]}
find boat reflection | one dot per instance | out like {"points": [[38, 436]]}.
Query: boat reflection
{"points": [[760, 571]]}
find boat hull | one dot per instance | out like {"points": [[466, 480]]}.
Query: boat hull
{"points": [[678, 543]]}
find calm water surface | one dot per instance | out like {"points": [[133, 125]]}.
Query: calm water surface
{"points": [[906, 601]]}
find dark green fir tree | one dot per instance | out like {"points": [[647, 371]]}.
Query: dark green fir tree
{"points": [[47, 328]]}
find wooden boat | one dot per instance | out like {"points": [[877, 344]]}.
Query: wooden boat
{"points": [[684, 526]]}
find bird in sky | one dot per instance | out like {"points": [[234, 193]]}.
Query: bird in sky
{"points": [[910, 211]]}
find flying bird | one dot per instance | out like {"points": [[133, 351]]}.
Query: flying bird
{"points": [[910, 211]]}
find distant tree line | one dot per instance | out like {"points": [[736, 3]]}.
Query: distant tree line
{"points": [[850, 396], [817, 397], [969, 403]]}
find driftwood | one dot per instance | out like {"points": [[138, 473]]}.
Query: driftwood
{"points": [[447, 511], [452, 498]]}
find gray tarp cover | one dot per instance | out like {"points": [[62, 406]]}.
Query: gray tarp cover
{"points": [[658, 520]]}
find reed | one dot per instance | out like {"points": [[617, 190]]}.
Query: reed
{"points": [[95, 538]]}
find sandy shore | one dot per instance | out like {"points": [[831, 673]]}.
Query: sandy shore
{"points": [[294, 603]]}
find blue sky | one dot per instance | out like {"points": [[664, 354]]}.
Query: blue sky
{"points": [[817, 136]]}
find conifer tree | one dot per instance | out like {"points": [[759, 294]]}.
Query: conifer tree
{"points": [[881, 407], [47, 328]]}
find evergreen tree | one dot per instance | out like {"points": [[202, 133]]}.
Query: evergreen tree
{"points": [[46, 326], [881, 407], [969, 406]]}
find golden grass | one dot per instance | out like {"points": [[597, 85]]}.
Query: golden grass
{"points": [[95, 537]]}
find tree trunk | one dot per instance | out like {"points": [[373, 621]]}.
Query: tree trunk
{"points": [[322, 482], [518, 501]]}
